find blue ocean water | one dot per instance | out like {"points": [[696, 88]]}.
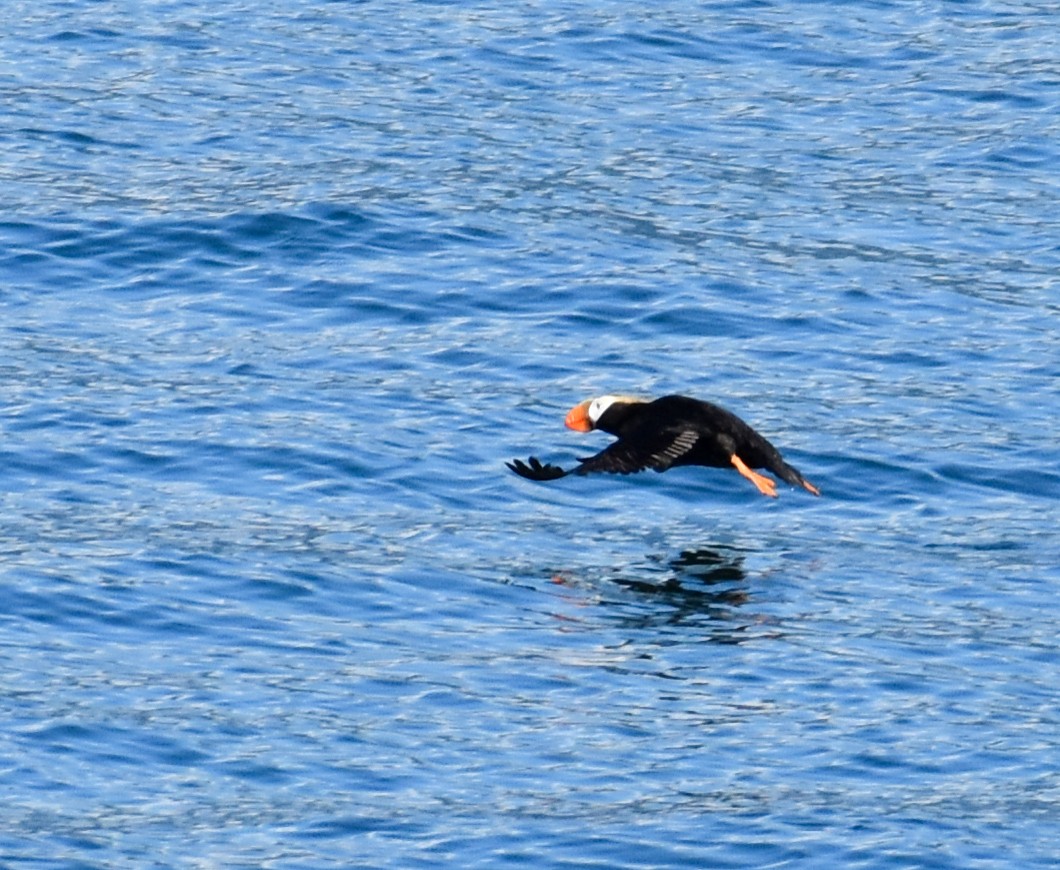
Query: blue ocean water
{"points": [[284, 285]]}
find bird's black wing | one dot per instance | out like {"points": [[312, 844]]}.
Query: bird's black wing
{"points": [[534, 470], [657, 450]]}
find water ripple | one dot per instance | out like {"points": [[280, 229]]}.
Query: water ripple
{"points": [[284, 290]]}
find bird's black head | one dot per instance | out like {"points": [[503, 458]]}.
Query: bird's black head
{"points": [[604, 412]]}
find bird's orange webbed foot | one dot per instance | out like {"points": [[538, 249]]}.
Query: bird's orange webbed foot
{"points": [[766, 485]]}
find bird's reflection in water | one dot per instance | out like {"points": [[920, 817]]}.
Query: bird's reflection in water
{"points": [[703, 589]]}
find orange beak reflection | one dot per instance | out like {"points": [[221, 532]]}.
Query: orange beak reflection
{"points": [[578, 418]]}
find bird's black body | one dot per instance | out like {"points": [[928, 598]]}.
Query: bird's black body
{"points": [[650, 436], [669, 432]]}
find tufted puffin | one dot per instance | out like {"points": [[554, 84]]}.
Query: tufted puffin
{"points": [[667, 432]]}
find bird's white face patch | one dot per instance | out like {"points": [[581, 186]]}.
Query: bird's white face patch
{"points": [[599, 405]]}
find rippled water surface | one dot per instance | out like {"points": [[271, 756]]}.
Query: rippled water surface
{"points": [[284, 285]]}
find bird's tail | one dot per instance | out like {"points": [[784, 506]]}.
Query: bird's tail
{"points": [[791, 475]]}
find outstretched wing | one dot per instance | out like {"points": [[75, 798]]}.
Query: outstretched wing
{"points": [[535, 470], [658, 452]]}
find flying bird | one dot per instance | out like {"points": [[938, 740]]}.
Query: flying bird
{"points": [[665, 433]]}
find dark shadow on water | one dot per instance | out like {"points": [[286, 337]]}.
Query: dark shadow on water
{"points": [[701, 593]]}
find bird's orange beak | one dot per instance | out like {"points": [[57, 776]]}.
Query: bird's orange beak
{"points": [[578, 418]]}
